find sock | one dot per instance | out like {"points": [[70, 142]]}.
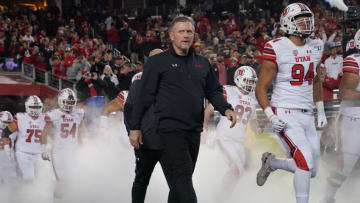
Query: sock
{"points": [[302, 185], [284, 164]]}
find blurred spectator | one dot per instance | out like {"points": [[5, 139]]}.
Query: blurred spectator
{"points": [[113, 36], [74, 73], [108, 73], [222, 69], [125, 75], [111, 82], [90, 86], [139, 66], [106, 60], [118, 62], [90, 90], [124, 36], [333, 65], [58, 69], [230, 69], [144, 46]]}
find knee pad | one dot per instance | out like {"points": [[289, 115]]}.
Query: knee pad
{"points": [[336, 178]]}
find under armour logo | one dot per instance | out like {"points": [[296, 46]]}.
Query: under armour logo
{"points": [[174, 65]]}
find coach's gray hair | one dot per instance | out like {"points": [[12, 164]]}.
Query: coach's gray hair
{"points": [[181, 18]]}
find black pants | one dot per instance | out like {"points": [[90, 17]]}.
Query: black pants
{"points": [[146, 160], [181, 150]]}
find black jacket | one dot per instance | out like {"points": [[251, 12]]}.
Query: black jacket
{"points": [[178, 86], [151, 140], [84, 90]]}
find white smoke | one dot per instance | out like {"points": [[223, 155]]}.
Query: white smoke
{"points": [[338, 4], [103, 171]]}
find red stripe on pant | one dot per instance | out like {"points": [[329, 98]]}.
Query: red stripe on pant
{"points": [[295, 152]]}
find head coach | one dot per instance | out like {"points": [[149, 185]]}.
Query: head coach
{"points": [[177, 82]]}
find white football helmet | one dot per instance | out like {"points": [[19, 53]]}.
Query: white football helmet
{"points": [[290, 25], [67, 99], [357, 39], [33, 106], [137, 76], [5, 119], [245, 78]]}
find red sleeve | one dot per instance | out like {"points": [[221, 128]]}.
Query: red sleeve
{"points": [[331, 83], [15, 121], [121, 97], [225, 93], [269, 53], [350, 65]]}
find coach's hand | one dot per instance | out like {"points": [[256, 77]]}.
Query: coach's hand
{"points": [[321, 119], [135, 138], [277, 124], [231, 116]]}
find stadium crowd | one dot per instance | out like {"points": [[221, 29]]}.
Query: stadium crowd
{"points": [[79, 44]]}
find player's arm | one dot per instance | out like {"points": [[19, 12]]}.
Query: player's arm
{"points": [[348, 85], [255, 127], [318, 96], [113, 106], [318, 84], [43, 139], [209, 110], [267, 74], [82, 132], [5, 136], [47, 130]]}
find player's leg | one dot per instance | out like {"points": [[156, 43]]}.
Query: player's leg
{"points": [[59, 162], [145, 164], [305, 152], [234, 154], [26, 166], [271, 163], [314, 140], [347, 160]]}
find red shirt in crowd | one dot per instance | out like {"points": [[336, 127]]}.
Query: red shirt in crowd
{"points": [[113, 35], [222, 73]]}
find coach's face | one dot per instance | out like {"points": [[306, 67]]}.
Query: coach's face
{"points": [[182, 36]]}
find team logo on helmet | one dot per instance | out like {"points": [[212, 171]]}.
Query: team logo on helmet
{"points": [[285, 11]]}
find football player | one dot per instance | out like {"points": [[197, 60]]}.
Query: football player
{"points": [[7, 160], [29, 126], [115, 105], [231, 140], [67, 126], [292, 63], [349, 122]]}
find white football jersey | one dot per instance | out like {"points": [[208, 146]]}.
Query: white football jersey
{"points": [[293, 83], [351, 108], [29, 133], [12, 137], [122, 96], [245, 109], [66, 128]]}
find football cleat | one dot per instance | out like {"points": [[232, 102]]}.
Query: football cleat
{"points": [[265, 169]]}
